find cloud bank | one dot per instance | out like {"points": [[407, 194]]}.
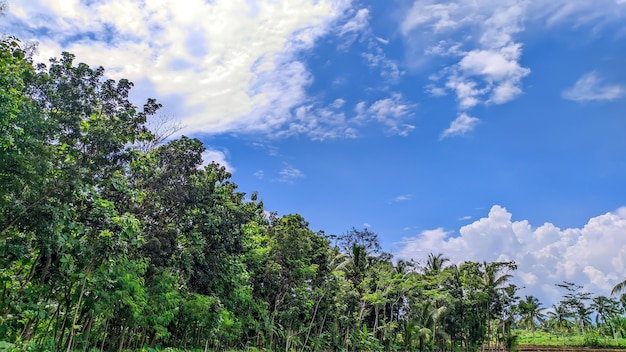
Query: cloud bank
{"points": [[234, 64], [593, 256]]}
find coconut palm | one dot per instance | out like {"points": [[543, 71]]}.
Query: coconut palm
{"points": [[435, 263], [494, 277], [531, 312], [559, 319], [423, 325], [619, 288]]}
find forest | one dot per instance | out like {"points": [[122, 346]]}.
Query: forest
{"points": [[114, 238]]}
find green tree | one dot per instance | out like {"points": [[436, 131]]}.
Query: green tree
{"points": [[574, 303], [531, 312]]}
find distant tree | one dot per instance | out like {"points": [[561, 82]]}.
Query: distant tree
{"points": [[574, 301], [619, 288], [531, 312], [365, 239], [435, 263]]}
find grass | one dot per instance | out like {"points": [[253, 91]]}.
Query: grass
{"points": [[544, 338]]}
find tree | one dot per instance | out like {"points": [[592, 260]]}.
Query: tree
{"points": [[574, 303], [619, 288], [605, 309], [558, 319], [531, 312], [435, 263]]}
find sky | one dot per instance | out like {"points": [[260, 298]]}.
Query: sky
{"points": [[481, 129]]}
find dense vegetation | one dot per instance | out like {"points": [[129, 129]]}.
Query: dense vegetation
{"points": [[111, 241]]}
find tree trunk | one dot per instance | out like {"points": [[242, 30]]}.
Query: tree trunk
{"points": [[104, 337], [80, 298], [312, 320], [122, 338]]}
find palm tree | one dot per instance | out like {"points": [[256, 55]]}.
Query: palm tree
{"points": [[435, 263], [619, 288], [531, 312], [495, 276], [605, 309], [559, 319], [423, 325]]}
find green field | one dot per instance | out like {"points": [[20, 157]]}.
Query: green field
{"points": [[543, 338]]}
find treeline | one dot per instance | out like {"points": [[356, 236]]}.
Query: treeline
{"points": [[111, 241], [595, 320]]}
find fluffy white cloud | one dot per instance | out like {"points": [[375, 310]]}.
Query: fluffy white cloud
{"points": [[589, 87], [461, 125], [233, 63], [593, 256], [489, 71], [218, 156]]}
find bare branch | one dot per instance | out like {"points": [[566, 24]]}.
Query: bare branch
{"points": [[162, 127]]}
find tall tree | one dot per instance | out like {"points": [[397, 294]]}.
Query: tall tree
{"points": [[531, 312]]}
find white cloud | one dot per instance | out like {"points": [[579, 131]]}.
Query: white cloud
{"points": [[578, 13], [289, 174], [478, 40], [391, 112], [358, 23], [338, 103], [217, 156], [377, 58], [462, 125], [488, 72], [481, 36], [259, 174], [233, 63], [403, 198], [319, 123], [386, 41], [589, 87], [593, 256]]}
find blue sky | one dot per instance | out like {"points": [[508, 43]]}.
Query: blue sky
{"points": [[485, 130]]}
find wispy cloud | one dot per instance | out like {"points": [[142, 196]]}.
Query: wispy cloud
{"points": [[376, 58], [462, 125], [403, 198], [590, 87], [357, 24], [358, 27], [382, 40], [392, 112], [259, 174], [289, 174]]}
